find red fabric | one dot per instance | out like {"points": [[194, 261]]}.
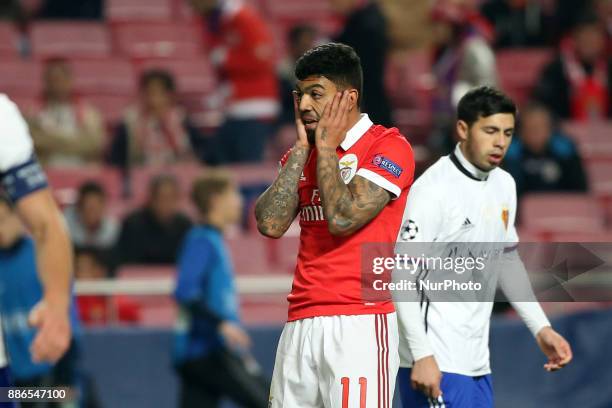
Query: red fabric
{"points": [[589, 93], [328, 274], [97, 309], [249, 65]]}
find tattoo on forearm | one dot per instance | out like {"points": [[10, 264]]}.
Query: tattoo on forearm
{"points": [[278, 205], [346, 207]]}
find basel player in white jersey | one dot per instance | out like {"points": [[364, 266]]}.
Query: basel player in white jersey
{"points": [[22, 179], [464, 197]]}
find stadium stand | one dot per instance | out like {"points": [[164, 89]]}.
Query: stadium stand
{"points": [[9, 41], [157, 40], [70, 39], [552, 212]]}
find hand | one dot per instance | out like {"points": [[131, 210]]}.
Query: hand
{"points": [[302, 136], [334, 122], [53, 337], [555, 347], [234, 335], [426, 376]]}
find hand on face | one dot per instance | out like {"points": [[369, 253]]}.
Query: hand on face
{"points": [[334, 122]]}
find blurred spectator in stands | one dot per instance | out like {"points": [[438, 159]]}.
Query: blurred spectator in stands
{"points": [[21, 13], [520, 23], [153, 233], [211, 347], [21, 291], [90, 265], [72, 9], [157, 130], [301, 38], [66, 131], [365, 30], [541, 158], [242, 50], [577, 84], [88, 223], [462, 60]]}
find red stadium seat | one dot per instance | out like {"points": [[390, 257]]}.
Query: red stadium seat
{"points": [[585, 131], [249, 254], [65, 181], [21, 78], [297, 10], [561, 212], [519, 70], [138, 10], [111, 106], [28, 105], [70, 39], [593, 138], [106, 76], [158, 40], [193, 75], [600, 178], [9, 41]]}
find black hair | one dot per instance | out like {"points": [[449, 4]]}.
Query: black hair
{"points": [[337, 62], [483, 102], [90, 187], [164, 77], [158, 181]]}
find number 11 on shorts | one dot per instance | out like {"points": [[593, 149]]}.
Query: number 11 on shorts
{"points": [[363, 385]]}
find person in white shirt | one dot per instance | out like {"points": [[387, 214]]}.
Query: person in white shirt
{"points": [[466, 198], [23, 181]]}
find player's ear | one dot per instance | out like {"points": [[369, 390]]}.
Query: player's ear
{"points": [[353, 98], [462, 130]]}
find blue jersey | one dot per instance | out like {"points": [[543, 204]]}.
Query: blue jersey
{"points": [[20, 291], [206, 279]]}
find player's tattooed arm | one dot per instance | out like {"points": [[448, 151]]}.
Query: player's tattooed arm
{"points": [[277, 207], [347, 208]]}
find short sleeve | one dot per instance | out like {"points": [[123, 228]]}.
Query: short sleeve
{"points": [[389, 164], [423, 215], [20, 173], [16, 143]]}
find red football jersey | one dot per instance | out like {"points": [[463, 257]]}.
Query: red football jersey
{"points": [[328, 277]]}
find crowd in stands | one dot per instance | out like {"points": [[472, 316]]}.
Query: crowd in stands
{"points": [[240, 108]]}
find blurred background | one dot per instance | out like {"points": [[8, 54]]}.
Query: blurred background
{"points": [[129, 101]]}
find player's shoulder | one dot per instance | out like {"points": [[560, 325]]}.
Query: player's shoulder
{"points": [[503, 178], [390, 140], [436, 174], [430, 182], [392, 134]]}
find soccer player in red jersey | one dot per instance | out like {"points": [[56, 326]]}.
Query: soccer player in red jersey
{"points": [[348, 180]]}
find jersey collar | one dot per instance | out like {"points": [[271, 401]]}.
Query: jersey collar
{"points": [[466, 167], [355, 133]]}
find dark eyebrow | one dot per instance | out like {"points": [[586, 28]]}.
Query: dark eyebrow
{"points": [[309, 88]]}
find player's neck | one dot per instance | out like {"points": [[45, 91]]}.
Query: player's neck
{"points": [[470, 167], [215, 220]]}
